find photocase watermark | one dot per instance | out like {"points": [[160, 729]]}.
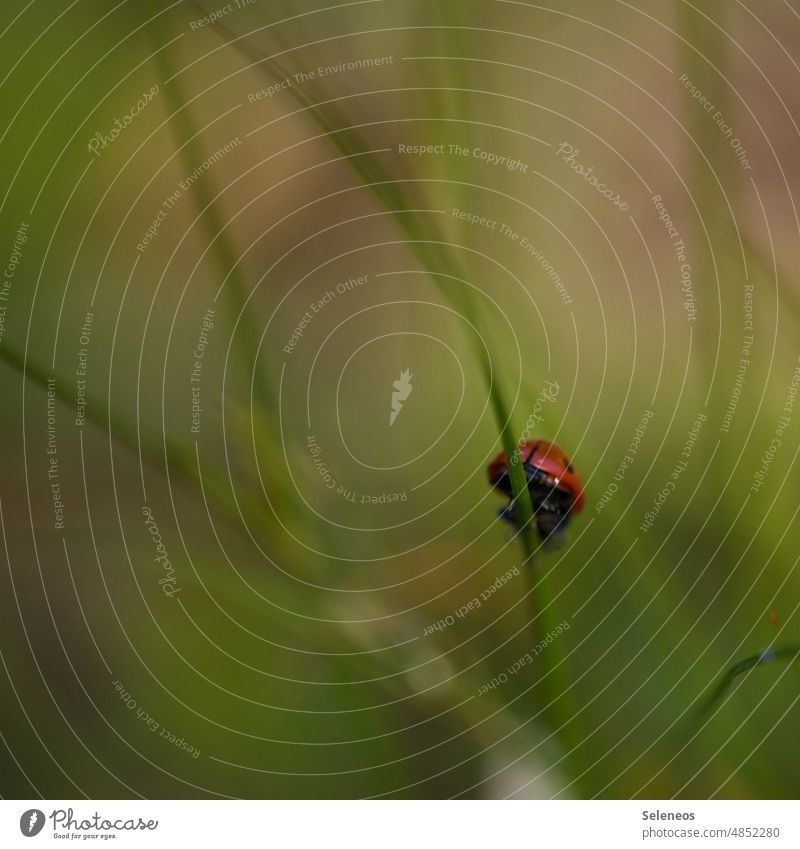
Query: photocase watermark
{"points": [[500, 160], [101, 141], [719, 119], [32, 822], [66, 825], [53, 472], [152, 723], [626, 462], [679, 248], [169, 584], [528, 657], [524, 242], [169, 202], [780, 429], [206, 326], [474, 604], [476, 219], [547, 395], [536, 254], [569, 155], [402, 389], [80, 371], [9, 272], [744, 360], [318, 305], [318, 73], [679, 468], [212, 17], [350, 495]]}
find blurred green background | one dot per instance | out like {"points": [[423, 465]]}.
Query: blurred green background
{"points": [[296, 650]]}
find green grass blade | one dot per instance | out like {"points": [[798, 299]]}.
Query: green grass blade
{"points": [[787, 654], [235, 289]]}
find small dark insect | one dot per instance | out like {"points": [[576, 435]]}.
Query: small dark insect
{"points": [[553, 483]]}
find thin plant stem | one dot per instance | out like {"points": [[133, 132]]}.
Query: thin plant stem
{"points": [[235, 289]]}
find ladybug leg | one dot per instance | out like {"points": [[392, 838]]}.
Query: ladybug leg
{"points": [[551, 524], [554, 540], [539, 494]]}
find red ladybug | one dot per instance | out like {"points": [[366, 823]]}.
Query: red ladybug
{"points": [[555, 488]]}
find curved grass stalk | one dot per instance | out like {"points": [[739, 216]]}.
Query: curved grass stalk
{"points": [[788, 654], [235, 289]]}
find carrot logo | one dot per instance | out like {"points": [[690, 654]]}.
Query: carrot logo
{"points": [[31, 822], [403, 389]]}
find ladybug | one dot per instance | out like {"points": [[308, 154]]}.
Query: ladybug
{"points": [[556, 490]]}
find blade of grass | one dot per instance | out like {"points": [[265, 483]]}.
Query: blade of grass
{"points": [[254, 381], [784, 653], [235, 289]]}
